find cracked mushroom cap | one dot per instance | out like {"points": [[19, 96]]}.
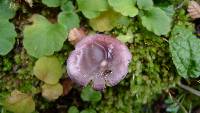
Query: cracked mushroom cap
{"points": [[99, 59]]}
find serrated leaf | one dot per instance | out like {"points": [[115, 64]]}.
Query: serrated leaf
{"points": [[19, 102], [185, 50], [43, 38], [107, 21], [145, 4], [52, 3], [48, 69], [157, 21], [89, 94], [125, 7], [90, 10], [7, 36], [52, 92], [69, 20]]}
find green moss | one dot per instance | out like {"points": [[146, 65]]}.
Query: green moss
{"points": [[151, 74]]}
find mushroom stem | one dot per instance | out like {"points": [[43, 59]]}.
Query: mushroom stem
{"points": [[191, 90]]}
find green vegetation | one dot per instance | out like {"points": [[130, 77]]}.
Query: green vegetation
{"points": [[163, 74]]}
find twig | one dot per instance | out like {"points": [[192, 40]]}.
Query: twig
{"points": [[178, 103], [191, 90]]}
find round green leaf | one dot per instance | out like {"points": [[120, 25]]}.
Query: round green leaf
{"points": [[90, 10], [7, 11], [52, 92], [67, 6], [88, 94], [43, 38], [73, 109], [91, 14], [145, 4], [157, 21], [107, 21], [7, 36], [52, 3], [88, 111], [68, 19], [48, 69], [7, 29], [19, 102], [125, 7]]}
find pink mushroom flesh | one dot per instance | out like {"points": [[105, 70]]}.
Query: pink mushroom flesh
{"points": [[99, 58]]}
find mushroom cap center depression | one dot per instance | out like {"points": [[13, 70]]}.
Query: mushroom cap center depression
{"points": [[96, 59]]}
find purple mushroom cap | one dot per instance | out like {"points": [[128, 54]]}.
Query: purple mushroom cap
{"points": [[99, 59]]}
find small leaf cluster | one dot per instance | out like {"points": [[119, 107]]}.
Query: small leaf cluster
{"points": [[42, 37], [49, 70], [102, 17]]}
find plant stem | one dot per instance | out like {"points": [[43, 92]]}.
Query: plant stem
{"points": [[191, 90]]}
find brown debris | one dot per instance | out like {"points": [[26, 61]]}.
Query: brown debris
{"points": [[194, 10], [75, 35], [67, 86]]}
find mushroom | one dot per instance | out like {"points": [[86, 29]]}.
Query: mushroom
{"points": [[99, 59]]}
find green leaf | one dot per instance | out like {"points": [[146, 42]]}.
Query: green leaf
{"points": [[90, 10], [67, 6], [7, 36], [19, 102], [48, 69], [68, 19], [88, 94], [52, 92], [157, 21], [145, 4], [88, 111], [7, 29], [126, 38], [7, 11], [185, 50], [52, 3], [43, 38], [107, 21], [91, 14], [125, 7], [169, 10], [73, 109]]}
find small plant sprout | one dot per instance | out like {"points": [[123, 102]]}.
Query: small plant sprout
{"points": [[100, 59]]}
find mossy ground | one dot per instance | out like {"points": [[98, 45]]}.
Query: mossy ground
{"points": [[150, 87]]}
